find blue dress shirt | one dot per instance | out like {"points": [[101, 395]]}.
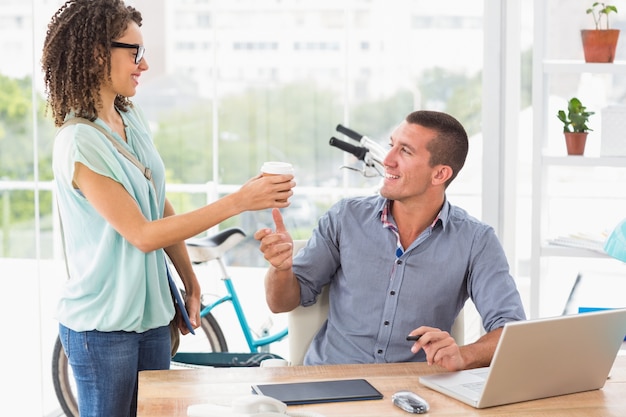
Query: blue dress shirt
{"points": [[377, 298]]}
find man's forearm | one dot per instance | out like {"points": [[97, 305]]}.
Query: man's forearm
{"points": [[282, 290], [480, 353]]}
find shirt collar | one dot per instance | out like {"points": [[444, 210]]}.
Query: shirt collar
{"points": [[384, 212]]}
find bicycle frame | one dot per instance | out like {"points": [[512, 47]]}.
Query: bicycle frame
{"points": [[253, 343]]}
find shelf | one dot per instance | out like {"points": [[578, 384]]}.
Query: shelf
{"points": [[553, 66], [585, 161], [557, 177]]}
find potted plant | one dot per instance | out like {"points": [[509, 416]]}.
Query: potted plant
{"points": [[599, 44], [575, 126]]}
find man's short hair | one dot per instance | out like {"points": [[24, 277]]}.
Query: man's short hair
{"points": [[450, 146]]}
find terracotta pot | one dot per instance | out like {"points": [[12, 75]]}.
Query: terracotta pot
{"points": [[599, 45], [575, 142]]}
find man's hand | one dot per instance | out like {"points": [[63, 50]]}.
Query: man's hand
{"points": [[440, 348], [282, 290], [277, 247]]}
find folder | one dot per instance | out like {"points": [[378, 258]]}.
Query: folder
{"points": [[179, 304]]}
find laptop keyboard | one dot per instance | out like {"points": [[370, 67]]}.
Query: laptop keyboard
{"points": [[474, 386], [478, 385]]}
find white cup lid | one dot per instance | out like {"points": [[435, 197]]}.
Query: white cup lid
{"points": [[274, 167]]}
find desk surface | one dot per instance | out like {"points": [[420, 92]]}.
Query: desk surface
{"points": [[169, 393]]}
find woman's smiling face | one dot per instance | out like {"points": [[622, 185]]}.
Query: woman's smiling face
{"points": [[124, 72]]}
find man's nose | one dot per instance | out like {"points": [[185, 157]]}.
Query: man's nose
{"points": [[389, 158]]}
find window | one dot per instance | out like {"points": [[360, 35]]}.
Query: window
{"points": [[228, 89]]}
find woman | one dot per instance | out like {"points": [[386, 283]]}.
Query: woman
{"points": [[115, 309]]}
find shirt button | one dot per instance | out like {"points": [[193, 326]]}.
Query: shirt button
{"points": [[392, 292], [386, 322], [380, 351], [398, 261]]}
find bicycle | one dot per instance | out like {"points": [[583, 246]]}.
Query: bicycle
{"points": [[209, 346], [202, 251]]}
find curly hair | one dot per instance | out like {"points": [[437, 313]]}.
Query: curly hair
{"points": [[76, 56]]}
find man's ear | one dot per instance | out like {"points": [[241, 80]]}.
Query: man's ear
{"points": [[441, 174]]}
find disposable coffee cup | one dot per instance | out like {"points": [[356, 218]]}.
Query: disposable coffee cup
{"points": [[277, 168]]}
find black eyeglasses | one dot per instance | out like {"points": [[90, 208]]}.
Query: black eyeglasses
{"points": [[140, 49]]}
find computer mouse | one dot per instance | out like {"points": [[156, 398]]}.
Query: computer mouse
{"points": [[410, 402]]}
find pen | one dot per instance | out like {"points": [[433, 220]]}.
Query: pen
{"points": [[413, 338]]}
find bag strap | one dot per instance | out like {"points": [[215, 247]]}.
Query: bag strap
{"points": [[145, 170], [121, 149]]}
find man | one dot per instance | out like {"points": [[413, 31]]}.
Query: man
{"points": [[401, 263]]}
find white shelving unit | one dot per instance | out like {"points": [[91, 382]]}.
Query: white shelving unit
{"points": [[548, 163]]}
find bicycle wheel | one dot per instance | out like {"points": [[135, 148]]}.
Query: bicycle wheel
{"points": [[63, 381], [209, 338]]}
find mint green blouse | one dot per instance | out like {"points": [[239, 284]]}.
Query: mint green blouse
{"points": [[112, 284]]}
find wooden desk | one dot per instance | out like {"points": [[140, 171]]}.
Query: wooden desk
{"points": [[169, 393]]}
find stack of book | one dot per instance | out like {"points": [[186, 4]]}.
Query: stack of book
{"points": [[590, 241]]}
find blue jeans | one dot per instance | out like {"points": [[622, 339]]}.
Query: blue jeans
{"points": [[106, 364]]}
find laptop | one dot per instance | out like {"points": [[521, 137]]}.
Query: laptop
{"points": [[540, 358]]}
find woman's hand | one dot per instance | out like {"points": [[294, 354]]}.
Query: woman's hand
{"points": [[262, 192]]}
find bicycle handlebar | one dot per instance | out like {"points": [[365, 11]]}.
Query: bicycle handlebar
{"points": [[377, 152], [358, 151], [349, 132], [369, 152]]}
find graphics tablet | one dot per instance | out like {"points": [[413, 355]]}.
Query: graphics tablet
{"points": [[319, 391]]}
